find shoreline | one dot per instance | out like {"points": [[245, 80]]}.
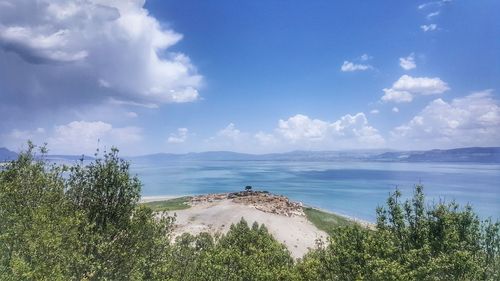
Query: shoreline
{"points": [[347, 217], [299, 227], [215, 213], [156, 198]]}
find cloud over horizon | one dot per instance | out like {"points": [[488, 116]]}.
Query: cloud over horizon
{"points": [[76, 137], [180, 136], [473, 120], [346, 132], [301, 132]]}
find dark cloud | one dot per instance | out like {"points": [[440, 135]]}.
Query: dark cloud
{"points": [[61, 55]]}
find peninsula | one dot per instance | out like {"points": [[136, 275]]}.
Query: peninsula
{"points": [[298, 227]]}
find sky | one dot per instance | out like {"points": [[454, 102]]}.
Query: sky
{"points": [[249, 76]]}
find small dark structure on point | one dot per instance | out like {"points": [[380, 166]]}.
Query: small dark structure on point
{"points": [[248, 188]]}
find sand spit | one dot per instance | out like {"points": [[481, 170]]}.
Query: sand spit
{"points": [[285, 220]]}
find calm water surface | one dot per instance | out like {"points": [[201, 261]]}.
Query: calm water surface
{"points": [[350, 188]]}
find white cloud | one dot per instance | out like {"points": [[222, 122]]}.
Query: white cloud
{"points": [[425, 5], [21, 136], [420, 85], [230, 132], [37, 47], [178, 137], [265, 139], [396, 96], [408, 62], [355, 128], [428, 27], [365, 57], [231, 138], [473, 120], [348, 131], [103, 83], [395, 109], [16, 139], [69, 54], [132, 114], [433, 14], [406, 87], [113, 101], [433, 4], [300, 132], [348, 66], [374, 111], [79, 137], [300, 127]]}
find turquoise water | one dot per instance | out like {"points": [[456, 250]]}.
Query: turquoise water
{"points": [[350, 188]]}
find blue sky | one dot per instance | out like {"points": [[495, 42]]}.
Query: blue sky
{"points": [[250, 76]]}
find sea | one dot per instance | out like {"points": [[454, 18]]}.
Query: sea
{"points": [[352, 189]]}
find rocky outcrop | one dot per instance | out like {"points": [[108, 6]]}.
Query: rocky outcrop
{"points": [[261, 200]]}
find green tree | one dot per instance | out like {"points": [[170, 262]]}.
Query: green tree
{"points": [[39, 228], [122, 240], [412, 241], [105, 191], [244, 253], [85, 225]]}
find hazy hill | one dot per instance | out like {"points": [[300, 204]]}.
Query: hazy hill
{"points": [[6, 155], [469, 154], [287, 156], [57, 157]]}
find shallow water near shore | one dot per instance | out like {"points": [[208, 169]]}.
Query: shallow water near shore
{"points": [[349, 188]]}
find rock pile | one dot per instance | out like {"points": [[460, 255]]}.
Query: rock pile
{"points": [[261, 200], [207, 198]]}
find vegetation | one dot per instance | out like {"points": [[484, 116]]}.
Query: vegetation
{"points": [[411, 242], [325, 221], [174, 204], [244, 253], [85, 223]]}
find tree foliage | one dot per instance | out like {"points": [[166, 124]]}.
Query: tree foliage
{"points": [[412, 241], [78, 223], [38, 226]]}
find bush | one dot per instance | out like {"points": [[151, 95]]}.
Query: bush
{"points": [[244, 253], [413, 242], [86, 225], [39, 228]]}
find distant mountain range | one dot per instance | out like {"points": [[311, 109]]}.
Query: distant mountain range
{"points": [[468, 154], [6, 155]]}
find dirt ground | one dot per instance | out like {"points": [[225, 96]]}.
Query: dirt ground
{"points": [[215, 216]]}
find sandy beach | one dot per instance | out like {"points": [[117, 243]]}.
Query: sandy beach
{"points": [[214, 213], [296, 232]]}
